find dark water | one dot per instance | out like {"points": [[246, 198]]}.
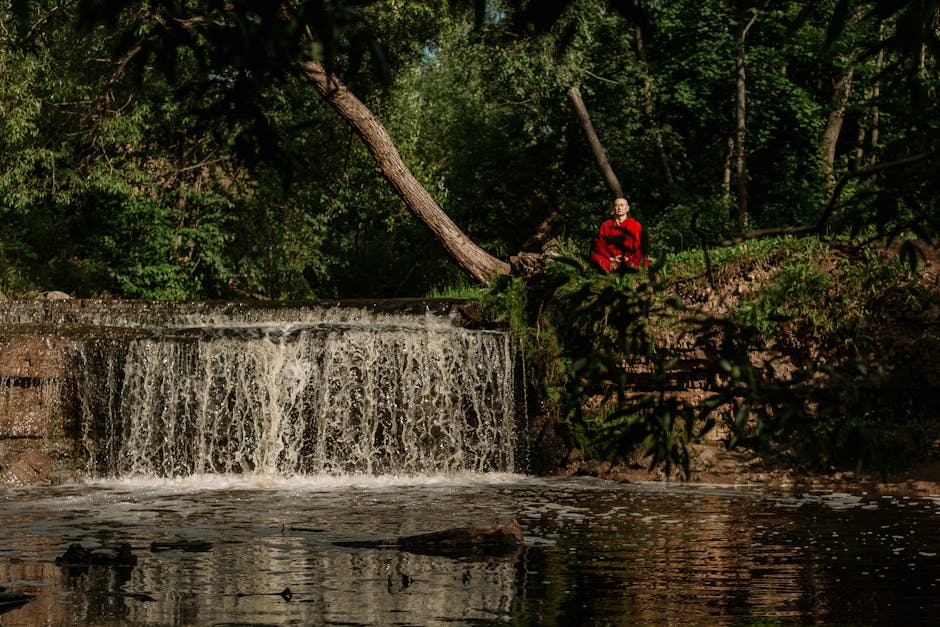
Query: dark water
{"points": [[596, 553]]}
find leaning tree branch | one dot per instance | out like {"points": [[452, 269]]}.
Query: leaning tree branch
{"points": [[613, 185], [869, 171], [830, 209]]}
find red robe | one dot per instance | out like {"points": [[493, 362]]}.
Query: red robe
{"points": [[614, 240]]}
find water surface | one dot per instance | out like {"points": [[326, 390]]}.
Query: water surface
{"points": [[596, 553]]}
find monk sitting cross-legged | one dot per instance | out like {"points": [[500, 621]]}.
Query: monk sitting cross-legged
{"points": [[618, 242]]}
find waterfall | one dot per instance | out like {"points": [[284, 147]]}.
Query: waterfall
{"points": [[290, 391]]}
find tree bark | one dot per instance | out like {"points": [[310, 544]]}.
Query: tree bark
{"points": [[472, 259], [830, 137], [726, 176], [613, 185], [875, 95], [870, 120], [741, 120], [860, 137]]}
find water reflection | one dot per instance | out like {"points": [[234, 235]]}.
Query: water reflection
{"points": [[596, 552]]}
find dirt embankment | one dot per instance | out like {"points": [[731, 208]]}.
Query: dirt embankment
{"points": [[898, 332]]}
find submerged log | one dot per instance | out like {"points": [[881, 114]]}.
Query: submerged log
{"points": [[494, 541], [188, 546], [286, 594], [12, 600]]}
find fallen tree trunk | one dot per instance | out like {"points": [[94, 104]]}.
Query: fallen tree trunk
{"points": [[472, 259]]}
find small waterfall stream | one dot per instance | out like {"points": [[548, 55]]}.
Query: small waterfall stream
{"points": [[292, 390]]}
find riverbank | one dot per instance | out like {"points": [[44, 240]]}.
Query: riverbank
{"points": [[808, 306], [842, 341], [712, 465]]}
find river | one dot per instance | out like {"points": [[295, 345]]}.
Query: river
{"points": [[596, 552]]}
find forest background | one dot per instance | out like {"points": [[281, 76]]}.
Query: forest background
{"points": [[179, 150]]}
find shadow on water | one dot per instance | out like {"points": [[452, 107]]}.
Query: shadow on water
{"points": [[594, 553]]}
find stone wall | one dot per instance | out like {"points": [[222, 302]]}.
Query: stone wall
{"points": [[37, 383]]}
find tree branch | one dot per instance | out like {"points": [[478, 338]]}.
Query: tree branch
{"points": [[613, 185], [875, 169], [820, 226]]}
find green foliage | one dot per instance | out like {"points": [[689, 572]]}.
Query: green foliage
{"points": [[819, 292], [789, 371], [458, 291], [236, 180], [584, 330], [505, 302], [865, 403], [794, 292], [206, 167]]}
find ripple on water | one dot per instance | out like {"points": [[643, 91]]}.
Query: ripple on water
{"points": [[619, 554]]}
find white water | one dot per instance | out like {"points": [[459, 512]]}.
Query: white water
{"points": [[344, 391], [307, 483]]}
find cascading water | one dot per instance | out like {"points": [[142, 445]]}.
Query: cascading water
{"points": [[294, 391]]}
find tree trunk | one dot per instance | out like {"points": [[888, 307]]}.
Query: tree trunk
{"points": [[472, 259], [613, 185], [741, 121], [875, 95], [830, 137], [648, 108], [726, 177], [869, 121], [860, 137]]}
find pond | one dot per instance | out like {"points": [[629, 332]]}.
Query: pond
{"points": [[596, 552]]}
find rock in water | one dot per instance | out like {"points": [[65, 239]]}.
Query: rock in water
{"points": [[77, 555], [494, 540]]}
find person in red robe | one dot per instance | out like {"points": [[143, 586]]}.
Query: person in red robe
{"points": [[618, 242]]}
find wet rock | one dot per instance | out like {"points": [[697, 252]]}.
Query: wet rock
{"points": [[55, 295], [482, 542], [77, 555], [31, 467]]}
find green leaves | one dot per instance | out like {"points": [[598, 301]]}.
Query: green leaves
{"points": [[479, 110], [820, 382]]}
